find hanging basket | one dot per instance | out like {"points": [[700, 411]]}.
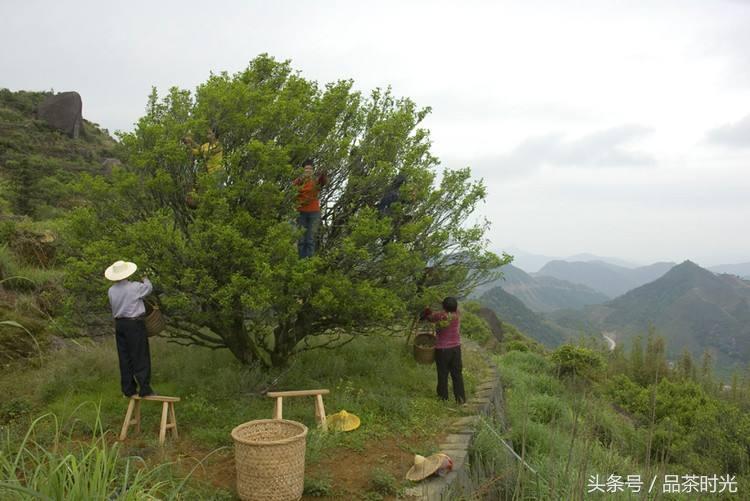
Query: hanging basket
{"points": [[270, 459], [154, 320], [424, 348]]}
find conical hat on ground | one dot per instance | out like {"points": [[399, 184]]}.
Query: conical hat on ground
{"points": [[343, 421], [424, 466]]}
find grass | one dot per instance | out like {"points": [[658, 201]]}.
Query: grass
{"points": [[66, 468], [373, 377], [561, 429]]}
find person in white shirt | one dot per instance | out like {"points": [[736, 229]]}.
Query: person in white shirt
{"points": [[128, 310]]}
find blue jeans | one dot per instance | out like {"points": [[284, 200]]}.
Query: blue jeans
{"points": [[308, 221]]}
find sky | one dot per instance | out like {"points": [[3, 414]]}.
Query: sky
{"points": [[618, 128]]}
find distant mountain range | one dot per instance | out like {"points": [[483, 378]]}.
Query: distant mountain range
{"points": [[689, 306], [531, 263], [740, 269], [610, 279], [542, 293]]}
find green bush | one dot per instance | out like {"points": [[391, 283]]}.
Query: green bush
{"points": [[576, 360], [516, 346], [546, 408]]}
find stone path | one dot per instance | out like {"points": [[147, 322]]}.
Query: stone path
{"points": [[487, 401]]}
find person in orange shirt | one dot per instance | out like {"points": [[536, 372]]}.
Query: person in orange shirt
{"points": [[308, 206]]}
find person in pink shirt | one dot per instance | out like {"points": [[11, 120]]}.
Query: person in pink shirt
{"points": [[448, 348]]}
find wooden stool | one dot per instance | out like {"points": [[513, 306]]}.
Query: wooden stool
{"points": [[320, 411], [168, 419]]}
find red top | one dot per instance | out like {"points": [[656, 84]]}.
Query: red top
{"points": [[307, 198], [448, 330]]}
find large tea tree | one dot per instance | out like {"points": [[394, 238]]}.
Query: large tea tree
{"points": [[227, 270]]}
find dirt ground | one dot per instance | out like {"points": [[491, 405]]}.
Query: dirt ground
{"points": [[350, 472]]}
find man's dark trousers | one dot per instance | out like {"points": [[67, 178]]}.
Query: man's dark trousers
{"points": [[448, 360], [134, 355]]}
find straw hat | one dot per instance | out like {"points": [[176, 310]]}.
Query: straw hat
{"points": [[120, 270], [343, 421], [424, 466]]}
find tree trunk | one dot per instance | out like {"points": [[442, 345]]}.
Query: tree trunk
{"points": [[238, 340]]}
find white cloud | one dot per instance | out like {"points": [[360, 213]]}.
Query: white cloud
{"points": [[736, 135]]}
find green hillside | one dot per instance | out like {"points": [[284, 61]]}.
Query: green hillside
{"points": [[511, 309], [692, 308], [38, 165], [39, 170]]}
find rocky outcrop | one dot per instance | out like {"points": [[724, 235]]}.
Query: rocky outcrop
{"points": [[494, 323], [63, 112], [108, 164]]}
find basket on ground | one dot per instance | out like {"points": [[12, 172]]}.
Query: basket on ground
{"points": [[424, 348], [270, 459]]}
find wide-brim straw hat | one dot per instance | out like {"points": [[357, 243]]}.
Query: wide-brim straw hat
{"points": [[343, 421], [120, 270], [424, 467]]}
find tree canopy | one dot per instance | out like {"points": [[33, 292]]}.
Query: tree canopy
{"points": [[226, 266]]}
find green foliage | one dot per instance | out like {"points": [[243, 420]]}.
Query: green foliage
{"points": [[474, 327], [67, 469], [383, 482], [516, 346], [546, 409], [317, 486], [38, 165], [228, 271], [577, 361], [372, 377]]}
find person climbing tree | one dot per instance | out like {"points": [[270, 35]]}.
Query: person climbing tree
{"points": [[211, 152], [230, 271], [391, 196], [128, 310], [308, 206]]}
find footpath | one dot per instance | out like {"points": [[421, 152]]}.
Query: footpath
{"points": [[487, 402]]}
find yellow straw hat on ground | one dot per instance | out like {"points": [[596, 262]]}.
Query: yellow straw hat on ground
{"points": [[424, 467], [120, 270], [343, 421]]}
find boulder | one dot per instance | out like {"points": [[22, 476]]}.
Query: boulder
{"points": [[63, 112], [110, 163], [494, 323]]}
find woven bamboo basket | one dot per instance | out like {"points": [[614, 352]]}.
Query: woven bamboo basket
{"points": [[270, 459], [154, 320], [424, 348]]}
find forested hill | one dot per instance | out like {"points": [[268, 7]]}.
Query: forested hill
{"points": [[690, 307], [512, 309], [39, 163], [40, 168]]}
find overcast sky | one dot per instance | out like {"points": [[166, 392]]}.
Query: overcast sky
{"points": [[618, 128]]}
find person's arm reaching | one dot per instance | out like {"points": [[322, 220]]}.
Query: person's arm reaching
{"points": [[437, 316], [145, 288]]}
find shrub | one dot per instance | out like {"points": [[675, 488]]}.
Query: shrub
{"points": [[545, 408], [576, 360]]}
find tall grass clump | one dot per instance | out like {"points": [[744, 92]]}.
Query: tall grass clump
{"points": [[49, 463]]}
